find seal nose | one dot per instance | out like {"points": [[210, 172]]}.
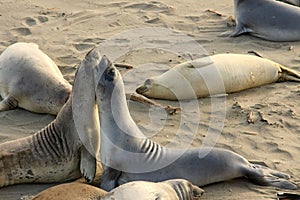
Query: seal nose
{"points": [[197, 192], [144, 88]]}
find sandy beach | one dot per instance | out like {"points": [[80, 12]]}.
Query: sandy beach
{"points": [[153, 36]]}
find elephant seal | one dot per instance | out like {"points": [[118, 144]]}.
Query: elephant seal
{"points": [[30, 80], [127, 155], [56, 153], [176, 189], [71, 191], [267, 19], [215, 75]]}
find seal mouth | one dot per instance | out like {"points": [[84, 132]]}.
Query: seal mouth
{"points": [[142, 89]]}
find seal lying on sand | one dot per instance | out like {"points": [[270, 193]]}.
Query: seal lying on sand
{"points": [[31, 80], [56, 153], [168, 190], [177, 189], [71, 191], [214, 75], [268, 19], [127, 155]]}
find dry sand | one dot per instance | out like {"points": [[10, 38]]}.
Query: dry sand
{"points": [[66, 30]]}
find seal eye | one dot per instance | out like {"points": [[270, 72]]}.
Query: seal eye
{"points": [[110, 74]]}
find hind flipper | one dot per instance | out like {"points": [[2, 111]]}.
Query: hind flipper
{"points": [[265, 176], [8, 103], [88, 165]]}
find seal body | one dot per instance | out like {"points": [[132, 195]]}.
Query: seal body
{"points": [[215, 75], [267, 19], [127, 155], [56, 153], [177, 189], [31, 80], [71, 191]]}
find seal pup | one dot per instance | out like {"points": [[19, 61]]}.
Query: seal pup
{"points": [[127, 155], [176, 189], [71, 191], [56, 153], [29, 79], [267, 19], [215, 75]]}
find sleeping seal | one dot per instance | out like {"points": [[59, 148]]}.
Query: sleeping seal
{"points": [[215, 75]]}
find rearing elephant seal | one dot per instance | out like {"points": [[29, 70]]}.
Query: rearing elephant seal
{"points": [[268, 19], [127, 155], [215, 75], [31, 80], [56, 153]]}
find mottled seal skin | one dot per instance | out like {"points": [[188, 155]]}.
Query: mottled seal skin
{"points": [[56, 153], [29, 79], [127, 155], [177, 189], [71, 191], [267, 19], [215, 75]]}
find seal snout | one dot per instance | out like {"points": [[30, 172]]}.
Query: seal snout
{"points": [[144, 88]]}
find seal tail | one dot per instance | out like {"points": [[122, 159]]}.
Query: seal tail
{"points": [[288, 74], [262, 175]]}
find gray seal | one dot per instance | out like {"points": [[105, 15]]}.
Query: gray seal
{"points": [[268, 19], [29, 79], [56, 153], [127, 155]]}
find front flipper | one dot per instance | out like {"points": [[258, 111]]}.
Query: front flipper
{"points": [[8, 103], [109, 178], [239, 30], [88, 165]]}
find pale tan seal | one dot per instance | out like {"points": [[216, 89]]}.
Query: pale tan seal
{"points": [[127, 155], [267, 19], [71, 191], [177, 189], [29, 79], [56, 153], [215, 75]]}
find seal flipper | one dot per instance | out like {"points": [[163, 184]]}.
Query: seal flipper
{"points": [[88, 165], [266, 176], [239, 30], [109, 179], [8, 103], [287, 74]]}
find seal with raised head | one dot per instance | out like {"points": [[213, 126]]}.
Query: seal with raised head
{"points": [[267, 19], [57, 153], [127, 155], [215, 75], [29, 79]]}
